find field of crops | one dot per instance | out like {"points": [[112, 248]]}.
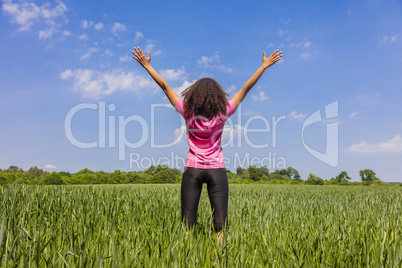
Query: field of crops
{"points": [[139, 226]]}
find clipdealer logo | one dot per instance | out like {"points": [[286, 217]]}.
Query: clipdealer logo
{"points": [[330, 156], [112, 127]]}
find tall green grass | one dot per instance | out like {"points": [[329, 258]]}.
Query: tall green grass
{"points": [[139, 225]]}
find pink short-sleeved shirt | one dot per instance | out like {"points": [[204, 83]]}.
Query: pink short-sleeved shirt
{"points": [[204, 137]]}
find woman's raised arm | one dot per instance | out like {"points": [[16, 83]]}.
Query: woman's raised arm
{"points": [[266, 62], [144, 61]]}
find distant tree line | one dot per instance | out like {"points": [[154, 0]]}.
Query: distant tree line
{"points": [[35, 175], [165, 174]]}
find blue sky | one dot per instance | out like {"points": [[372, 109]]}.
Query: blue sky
{"points": [[60, 54]]}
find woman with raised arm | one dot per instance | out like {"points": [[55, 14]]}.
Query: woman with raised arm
{"points": [[205, 109]]}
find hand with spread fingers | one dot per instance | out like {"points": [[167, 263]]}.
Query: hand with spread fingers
{"points": [[139, 56], [144, 61], [274, 57], [266, 62]]}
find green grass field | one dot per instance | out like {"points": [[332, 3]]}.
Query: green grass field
{"points": [[139, 226]]}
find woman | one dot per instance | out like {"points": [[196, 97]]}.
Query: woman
{"points": [[205, 110]]}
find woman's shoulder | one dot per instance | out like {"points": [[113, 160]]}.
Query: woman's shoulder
{"points": [[230, 108], [179, 106]]}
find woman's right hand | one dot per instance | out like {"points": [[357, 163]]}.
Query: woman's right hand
{"points": [[139, 56], [274, 57]]}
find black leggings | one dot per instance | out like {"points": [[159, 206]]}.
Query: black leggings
{"points": [[218, 191]]}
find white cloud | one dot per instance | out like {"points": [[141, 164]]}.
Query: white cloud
{"points": [[93, 84], [213, 63], [386, 40], [295, 116], [353, 115], [25, 14], [206, 61], [118, 27], [231, 132], [45, 34], [271, 44], [150, 47], [157, 52], [260, 97], [85, 24], [99, 26], [66, 33], [231, 89], [179, 130], [296, 45], [108, 52], [171, 74], [138, 37], [183, 87], [282, 32], [83, 37], [301, 44], [393, 145], [66, 74], [89, 53], [125, 58], [49, 166], [224, 68], [304, 56]]}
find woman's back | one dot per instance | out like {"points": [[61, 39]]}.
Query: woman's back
{"points": [[204, 137]]}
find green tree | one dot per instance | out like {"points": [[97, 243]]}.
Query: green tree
{"points": [[228, 172], [282, 172], [85, 171], [100, 177], [35, 173], [239, 171], [278, 177], [255, 173], [12, 169], [264, 171], [288, 173], [155, 169], [164, 176], [116, 177], [9, 177], [343, 176], [67, 174], [134, 177], [3, 179], [314, 180], [293, 174], [368, 175], [53, 178], [332, 181]]}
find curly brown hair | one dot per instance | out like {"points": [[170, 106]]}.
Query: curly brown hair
{"points": [[206, 98]]}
